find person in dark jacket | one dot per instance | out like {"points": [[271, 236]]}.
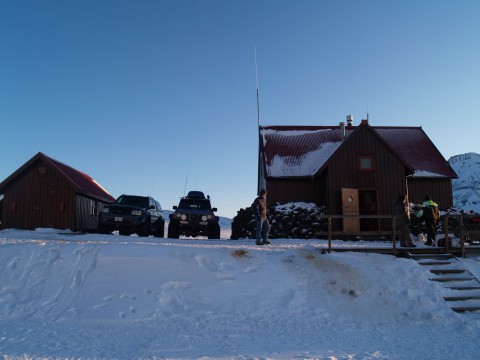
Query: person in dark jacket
{"points": [[429, 214], [402, 219], [259, 207]]}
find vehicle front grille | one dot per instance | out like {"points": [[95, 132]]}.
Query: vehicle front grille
{"points": [[194, 217], [120, 210]]}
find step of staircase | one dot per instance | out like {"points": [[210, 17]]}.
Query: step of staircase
{"points": [[445, 265], [430, 263], [460, 298], [465, 308], [447, 271], [463, 288], [431, 256], [445, 279]]}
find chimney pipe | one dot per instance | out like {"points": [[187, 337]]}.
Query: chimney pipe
{"points": [[349, 120], [342, 130]]}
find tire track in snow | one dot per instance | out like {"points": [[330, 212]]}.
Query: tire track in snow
{"points": [[25, 280], [86, 262]]}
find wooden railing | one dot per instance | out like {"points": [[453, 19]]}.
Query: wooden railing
{"points": [[392, 232], [330, 232], [462, 231]]}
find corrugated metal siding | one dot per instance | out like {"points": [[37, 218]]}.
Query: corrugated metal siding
{"points": [[301, 190], [1, 214], [40, 200], [48, 199], [440, 190], [395, 155], [388, 179], [87, 211]]}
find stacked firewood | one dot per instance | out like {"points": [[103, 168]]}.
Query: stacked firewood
{"points": [[292, 220], [300, 221]]}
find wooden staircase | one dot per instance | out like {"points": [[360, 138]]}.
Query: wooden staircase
{"points": [[461, 287]]}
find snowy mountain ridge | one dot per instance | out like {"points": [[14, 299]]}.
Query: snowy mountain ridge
{"points": [[466, 189]]}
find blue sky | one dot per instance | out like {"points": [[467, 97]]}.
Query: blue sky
{"points": [[149, 96]]}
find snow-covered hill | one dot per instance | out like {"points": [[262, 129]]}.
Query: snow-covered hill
{"points": [[466, 189]]}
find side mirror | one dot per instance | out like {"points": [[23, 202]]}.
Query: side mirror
{"points": [[175, 207], [151, 207], [214, 209]]}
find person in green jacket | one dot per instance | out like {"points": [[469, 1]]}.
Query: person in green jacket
{"points": [[429, 214]]}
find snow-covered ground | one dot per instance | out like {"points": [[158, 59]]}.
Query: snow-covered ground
{"points": [[71, 296]]}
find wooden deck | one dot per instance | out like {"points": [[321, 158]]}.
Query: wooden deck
{"points": [[463, 250]]}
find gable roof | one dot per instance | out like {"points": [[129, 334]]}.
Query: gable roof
{"points": [[301, 151], [81, 182]]}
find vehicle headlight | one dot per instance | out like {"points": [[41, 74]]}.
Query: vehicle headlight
{"points": [[105, 210], [136, 212], [210, 217], [204, 217], [184, 217], [178, 216]]}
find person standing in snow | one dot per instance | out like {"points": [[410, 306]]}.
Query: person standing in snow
{"points": [[259, 207], [429, 214], [402, 220]]}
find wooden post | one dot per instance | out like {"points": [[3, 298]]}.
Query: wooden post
{"points": [[394, 236], [445, 230], [462, 236], [329, 234]]}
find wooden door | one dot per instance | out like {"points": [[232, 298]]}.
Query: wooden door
{"points": [[350, 206]]}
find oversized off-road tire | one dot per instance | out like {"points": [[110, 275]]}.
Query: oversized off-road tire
{"points": [[102, 229], [124, 232], [173, 232], [214, 231], [160, 231], [143, 232]]}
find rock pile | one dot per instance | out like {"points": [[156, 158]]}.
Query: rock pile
{"points": [[292, 220]]}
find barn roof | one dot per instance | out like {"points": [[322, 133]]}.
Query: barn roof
{"points": [[301, 151], [81, 182]]}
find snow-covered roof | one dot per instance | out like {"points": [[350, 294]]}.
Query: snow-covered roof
{"points": [[298, 151], [301, 151]]}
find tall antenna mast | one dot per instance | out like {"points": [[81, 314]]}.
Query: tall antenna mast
{"points": [[256, 79], [368, 115], [186, 179], [261, 182]]}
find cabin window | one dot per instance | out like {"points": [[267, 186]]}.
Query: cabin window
{"points": [[41, 170], [93, 208], [366, 163]]}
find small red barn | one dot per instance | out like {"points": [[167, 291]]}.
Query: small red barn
{"points": [[363, 166], [47, 193]]}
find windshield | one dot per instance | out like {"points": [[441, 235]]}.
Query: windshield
{"points": [[194, 204], [138, 201]]}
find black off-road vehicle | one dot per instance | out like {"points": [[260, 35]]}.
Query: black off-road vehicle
{"points": [[193, 217], [130, 214]]}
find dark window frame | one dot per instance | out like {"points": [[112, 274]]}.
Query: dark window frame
{"points": [[371, 158]]}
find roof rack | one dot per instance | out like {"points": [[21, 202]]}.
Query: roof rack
{"points": [[195, 195]]}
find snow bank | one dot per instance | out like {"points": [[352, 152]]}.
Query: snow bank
{"points": [[105, 296]]}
